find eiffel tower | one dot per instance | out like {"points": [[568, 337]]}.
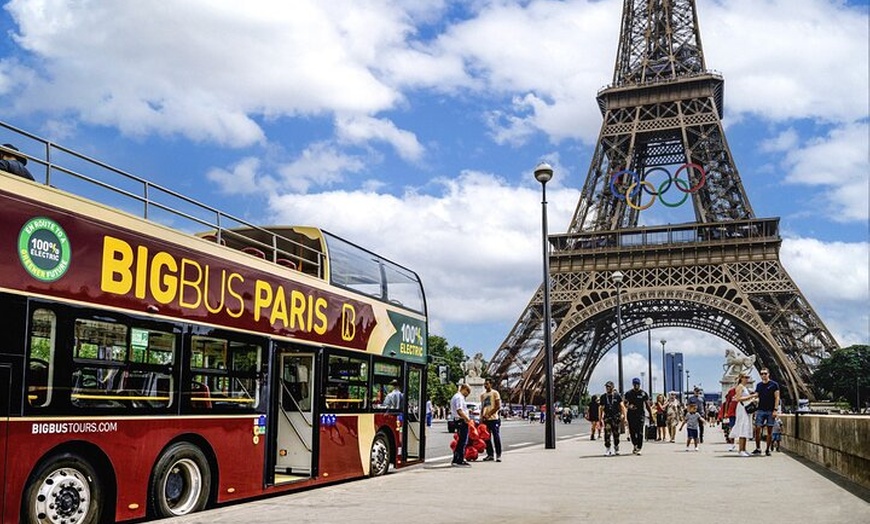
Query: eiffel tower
{"points": [[662, 143]]}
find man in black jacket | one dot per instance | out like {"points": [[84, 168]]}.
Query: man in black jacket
{"points": [[12, 163]]}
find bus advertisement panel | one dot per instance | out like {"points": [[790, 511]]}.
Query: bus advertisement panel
{"points": [[152, 372]]}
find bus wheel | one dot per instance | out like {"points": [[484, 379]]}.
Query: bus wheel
{"points": [[64, 489], [380, 457], [181, 481]]}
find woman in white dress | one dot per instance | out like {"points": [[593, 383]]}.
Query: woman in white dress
{"points": [[742, 429]]}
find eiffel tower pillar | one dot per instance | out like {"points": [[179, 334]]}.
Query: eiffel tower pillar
{"points": [[662, 143]]}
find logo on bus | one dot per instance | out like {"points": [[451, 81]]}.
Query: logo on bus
{"points": [[412, 340], [44, 249]]}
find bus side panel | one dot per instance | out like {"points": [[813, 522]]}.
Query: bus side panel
{"points": [[5, 380], [133, 446], [340, 448]]}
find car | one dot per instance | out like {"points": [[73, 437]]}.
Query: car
{"points": [[473, 412]]}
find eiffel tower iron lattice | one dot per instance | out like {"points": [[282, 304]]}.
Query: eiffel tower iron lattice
{"points": [[662, 140]]}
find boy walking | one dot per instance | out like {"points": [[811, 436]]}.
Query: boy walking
{"points": [[693, 422]]}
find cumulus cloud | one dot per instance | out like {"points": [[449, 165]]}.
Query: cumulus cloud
{"points": [[839, 163]]}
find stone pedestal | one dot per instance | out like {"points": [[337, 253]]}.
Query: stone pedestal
{"points": [[477, 389]]}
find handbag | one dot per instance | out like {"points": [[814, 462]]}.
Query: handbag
{"points": [[750, 408]]}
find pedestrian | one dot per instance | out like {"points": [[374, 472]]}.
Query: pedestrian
{"points": [[728, 417], [777, 432], [693, 422], [697, 398], [543, 412], [768, 402], [742, 428], [429, 413], [673, 412], [611, 413], [661, 418], [394, 397], [490, 406], [594, 418], [461, 421], [13, 163], [636, 400]]}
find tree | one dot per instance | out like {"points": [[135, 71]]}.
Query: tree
{"points": [[442, 354], [845, 375]]}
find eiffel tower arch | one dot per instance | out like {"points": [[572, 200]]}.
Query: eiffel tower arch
{"points": [[662, 143]]}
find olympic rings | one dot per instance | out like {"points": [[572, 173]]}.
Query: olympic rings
{"points": [[635, 186]]}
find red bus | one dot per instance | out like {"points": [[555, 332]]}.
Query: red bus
{"points": [[151, 371]]}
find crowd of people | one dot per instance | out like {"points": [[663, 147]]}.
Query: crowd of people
{"points": [[744, 416]]}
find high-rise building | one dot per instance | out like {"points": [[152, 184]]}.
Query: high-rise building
{"points": [[674, 369]]}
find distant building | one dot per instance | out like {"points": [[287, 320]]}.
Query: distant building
{"points": [[674, 372]]}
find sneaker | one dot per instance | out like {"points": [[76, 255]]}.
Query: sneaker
{"points": [[616, 451], [608, 452], [634, 450], [687, 449], [489, 458], [460, 464], [696, 448], [744, 454], [757, 451], [767, 452], [732, 447], [637, 452], [498, 459]]}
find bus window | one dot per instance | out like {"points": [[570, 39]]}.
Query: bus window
{"points": [[387, 377], [40, 362], [225, 373], [347, 379], [98, 361], [148, 380]]}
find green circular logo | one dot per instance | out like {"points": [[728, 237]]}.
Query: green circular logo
{"points": [[43, 249]]}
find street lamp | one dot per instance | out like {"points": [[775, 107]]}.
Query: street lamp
{"points": [[688, 383], [664, 372], [649, 322], [617, 279], [680, 377], [543, 174]]}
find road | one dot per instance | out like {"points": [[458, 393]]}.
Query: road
{"points": [[515, 434]]}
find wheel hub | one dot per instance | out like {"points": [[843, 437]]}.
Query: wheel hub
{"points": [[63, 497]]}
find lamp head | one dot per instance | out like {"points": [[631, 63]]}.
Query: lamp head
{"points": [[648, 321], [543, 172], [617, 277]]}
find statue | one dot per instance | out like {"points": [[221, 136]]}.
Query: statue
{"points": [[474, 367], [734, 365]]}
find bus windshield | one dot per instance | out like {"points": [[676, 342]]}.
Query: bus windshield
{"points": [[360, 270]]}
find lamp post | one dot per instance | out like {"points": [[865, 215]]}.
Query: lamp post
{"points": [[664, 372], [680, 379], [543, 174], [688, 383], [649, 322], [617, 279]]}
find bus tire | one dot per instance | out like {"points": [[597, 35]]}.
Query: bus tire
{"points": [[181, 481], [64, 488], [380, 456]]}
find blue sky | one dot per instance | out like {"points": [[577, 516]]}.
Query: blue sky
{"points": [[412, 127]]}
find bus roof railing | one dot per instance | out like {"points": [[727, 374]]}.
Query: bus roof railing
{"points": [[159, 204]]}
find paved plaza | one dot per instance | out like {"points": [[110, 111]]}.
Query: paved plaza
{"points": [[577, 483]]}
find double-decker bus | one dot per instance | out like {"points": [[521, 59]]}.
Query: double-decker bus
{"points": [[151, 371]]}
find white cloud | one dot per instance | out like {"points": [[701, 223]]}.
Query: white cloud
{"points": [[361, 129], [840, 164]]}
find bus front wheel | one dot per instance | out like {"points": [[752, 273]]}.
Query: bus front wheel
{"points": [[181, 481], [65, 488], [380, 456]]}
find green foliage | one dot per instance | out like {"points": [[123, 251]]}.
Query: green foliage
{"points": [[845, 375], [441, 353]]}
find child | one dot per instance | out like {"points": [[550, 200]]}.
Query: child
{"points": [[692, 422], [776, 437]]}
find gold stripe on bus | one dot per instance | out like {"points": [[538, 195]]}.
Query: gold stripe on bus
{"points": [[113, 397], [222, 399]]}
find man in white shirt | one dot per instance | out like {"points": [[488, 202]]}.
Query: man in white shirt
{"points": [[461, 420]]}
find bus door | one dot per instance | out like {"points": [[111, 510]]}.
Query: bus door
{"points": [[295, 417], [5, 395], [416, 414]]}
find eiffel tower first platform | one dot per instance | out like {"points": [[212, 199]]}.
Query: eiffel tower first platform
{"points": [[662, 143]]}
